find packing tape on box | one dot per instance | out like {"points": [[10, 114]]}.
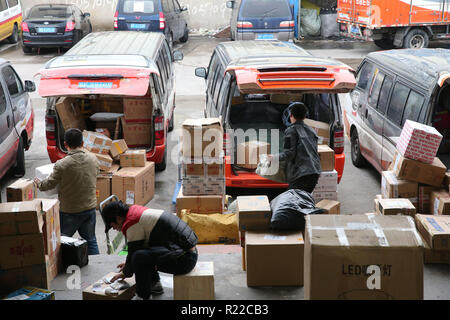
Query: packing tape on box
{"points": [[397, 162], [436, 206], [117, 146], [393, 181]]}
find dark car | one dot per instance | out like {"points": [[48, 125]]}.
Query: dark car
{"points": [[54, 25], [166, 16]]}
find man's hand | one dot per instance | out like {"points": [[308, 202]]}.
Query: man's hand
{"points": [[37, 182], [121, 266], [270, 157], [118, 276]]}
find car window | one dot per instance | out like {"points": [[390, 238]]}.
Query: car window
{"points": [[384, 94], [365, 75], [41, 12], [265, 9], [13, 83], [159, 63], [211, 71], [397, 104], [169, 55], [413, 107], [223, 95], [374, 92], [13, 3], [3, 5], [2, 100], [140, 6], [167, 65], [167, 5], [217, 82]]}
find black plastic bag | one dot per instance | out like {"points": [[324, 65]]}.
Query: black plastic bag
{"points": [[289, 210], [74, 252]]}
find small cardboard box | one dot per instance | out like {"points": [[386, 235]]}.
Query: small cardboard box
{"points": [[199, 204], [137, 110], [110, 105], [440, 202], [248, 153], [96, 142], [203, 169], [330, 206], [98, 293], [104, 161], [407, 169], [328, 182], [254, 213], [375, 202], [135, 185], [396, 206], [17, 218], [21, 190], [274, 259], [21, 251], [197, 284], [394, 188], [435, 230], [424, 196], [70, 114], [340, 249], [202, 138], [118, 147], [13, 279], [103, 189], [137, 135], [326, 155], [322, 130], [133, 158]]}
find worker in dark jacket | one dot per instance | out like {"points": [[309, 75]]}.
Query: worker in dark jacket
{"points": [[300, 151], [157, 241]]}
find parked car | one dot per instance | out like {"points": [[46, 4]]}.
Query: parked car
{"points": [[392, 87], [100, 72], [16, 119], [10, 20], [261, 20], [250, 85], [166, 16], [54, 25]]}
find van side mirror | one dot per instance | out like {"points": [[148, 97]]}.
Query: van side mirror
{"points": [[230, 4], [178, 55], [200, 72], [29, 86], [184, 9]]}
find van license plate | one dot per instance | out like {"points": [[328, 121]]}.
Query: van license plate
{"points": [[138, 26], [264, 36], [95, 85], [46, 30]]}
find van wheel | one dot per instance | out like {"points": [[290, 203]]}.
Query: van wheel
{"points": [[358, 160], [385, 44], [171, 122], [162, 166], [416, 39], [15, 35], [185, 36], [19, 168]]}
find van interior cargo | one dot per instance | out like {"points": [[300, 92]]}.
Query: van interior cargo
{"points": [[441, 121]]}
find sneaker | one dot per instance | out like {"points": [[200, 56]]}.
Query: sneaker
{"points": [[156, 287], [136, 297]]}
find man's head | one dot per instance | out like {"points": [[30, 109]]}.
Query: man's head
{"points": [[298, 111], [73, 138], [114, 215]]}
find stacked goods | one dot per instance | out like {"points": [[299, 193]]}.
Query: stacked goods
{"points": [[133, 158], [197, 284], [326, 187], [440, 202], [104, 183], [118, 147], [70, 114], [424, 196], [199, 204], [326, 155], [322, 130], [389, 207], [137, 122], [394, 188], [21, 190], [248, 153], [362, 257], [254, 213], [435, 230], [100, 146]]}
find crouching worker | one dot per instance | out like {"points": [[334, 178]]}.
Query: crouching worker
{"points": [[157, 241]]}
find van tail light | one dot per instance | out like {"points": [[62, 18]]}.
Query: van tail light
{"points": [[116, 17], [244, 24], [50, 130], [287, 24], [339, 141], [159, 130], [70, 25], [162, 21], [25, 27], [227, 144]]}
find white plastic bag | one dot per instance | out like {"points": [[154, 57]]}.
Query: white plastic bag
{"points": [[271, 170], [43, 173]]}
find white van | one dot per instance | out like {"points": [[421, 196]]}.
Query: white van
{"points": [[10, 20]]}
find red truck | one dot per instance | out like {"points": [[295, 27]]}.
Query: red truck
{"points": [[395, 23]]}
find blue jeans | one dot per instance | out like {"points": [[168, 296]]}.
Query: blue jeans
{"points": [[84, 223]]}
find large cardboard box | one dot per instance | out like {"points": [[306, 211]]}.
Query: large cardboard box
{"points": [[431, 256], [94, 292], [328, 182], [440, 202], [17, 218], [199, 204], [103, 189], [13, 279], [197, 284], [21, 190], [118, 147], [419, 142], [112, 105], [21, 251], [254, 213], [326, 155], [96, 142], [396, 207], [340, 249], [435, 230], [70, 114], [52, 231], [407, 169], [138, 110], [135, 185], [202, 138], [133, 158], [322, 130], [424, 196], [137, 134], [330, 206], [248, 153], [274, 259], [394, 188]]}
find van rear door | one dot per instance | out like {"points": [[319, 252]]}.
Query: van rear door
{"points": [[139, 15]]}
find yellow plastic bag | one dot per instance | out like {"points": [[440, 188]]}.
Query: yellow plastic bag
{"points": [[213, 228]]}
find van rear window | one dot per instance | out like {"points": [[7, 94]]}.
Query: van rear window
{"points": [[266, 9], [50, 12], [149, 7]]}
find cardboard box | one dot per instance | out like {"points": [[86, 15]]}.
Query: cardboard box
{"points": [[110, 172], [339, 250], [112, 105], [285, 98], [199, 204], [117, 148], [21, 190], [322, 130], [135, 185], [254, 213], [375, 202], [328, 182], [103, 189], [98, 293], [424, 196], [394, 188], [52, 229], [70, 114], [133, 158], [447, 180], [326, 155], [440, 202], [330, 206], [203, 170], [18, 218], [274, 259], [137, 134], [431, 256], [202, 138], [196, 186], [103, 131], [435, 230], [419, 142], [22, 251], [96, 142], [197, 284], [324, 195], [104, 161], [31, 293], [138, 110], [13, 279], [407, 169], [389, 207], [248, 153]]}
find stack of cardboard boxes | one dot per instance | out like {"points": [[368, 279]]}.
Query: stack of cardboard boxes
{"points": [[326, 187], [435, 231], [137, 122]]}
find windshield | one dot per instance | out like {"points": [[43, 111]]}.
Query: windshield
{"points": [[140, 6], [99, 60], [266, 9], [49, 12]]}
